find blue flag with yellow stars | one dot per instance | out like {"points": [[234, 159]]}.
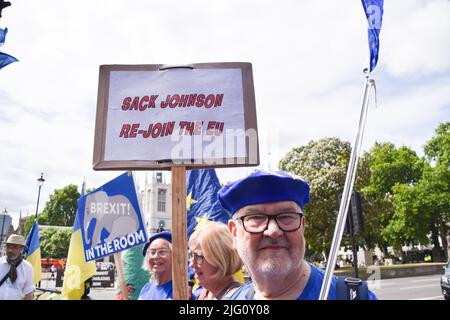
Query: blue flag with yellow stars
{"points": [[374, 14], [201, 201]]}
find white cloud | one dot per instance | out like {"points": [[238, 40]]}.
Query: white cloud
{"points": [[416, 42]]}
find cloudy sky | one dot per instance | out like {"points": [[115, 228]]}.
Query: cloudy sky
{"points": [[307, 59]]}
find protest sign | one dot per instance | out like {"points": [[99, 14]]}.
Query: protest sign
{"points": [[111, 218], [154, 117]]}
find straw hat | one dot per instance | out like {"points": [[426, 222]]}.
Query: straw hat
{"points": [[16, 239]]}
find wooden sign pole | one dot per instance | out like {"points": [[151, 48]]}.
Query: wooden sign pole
{"points": [[179, 234], [123, 286]]}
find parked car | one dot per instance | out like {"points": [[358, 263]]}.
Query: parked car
{"points": [[445, 281]]}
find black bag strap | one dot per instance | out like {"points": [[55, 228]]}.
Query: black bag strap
{"points": [[7, 275], [4, 279], [348, 288]]}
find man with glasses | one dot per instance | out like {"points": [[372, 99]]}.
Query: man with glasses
{"points": [[158, 260], [268, 229]]}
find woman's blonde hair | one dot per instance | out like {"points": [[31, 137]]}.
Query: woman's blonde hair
{"points": [[216, 243]]}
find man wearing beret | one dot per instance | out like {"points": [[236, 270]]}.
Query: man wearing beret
{"points": [[158, 260], [16, 274], [268, 228]]}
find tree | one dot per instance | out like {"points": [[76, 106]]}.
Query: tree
{"points": [[437, 178], [389, 166], [61, 209], [323, 164], [55, 242], [422, 209]]}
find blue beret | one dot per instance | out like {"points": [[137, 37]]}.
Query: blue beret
{"points": [[165, 235], [263, 187]]}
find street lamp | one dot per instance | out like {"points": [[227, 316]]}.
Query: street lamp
{"points": [[40, 183], [3, 226]]}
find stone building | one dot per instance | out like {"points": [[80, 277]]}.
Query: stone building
{"points": [[156, 202]]}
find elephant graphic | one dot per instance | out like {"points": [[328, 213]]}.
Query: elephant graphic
{"points": [[98, 222]]}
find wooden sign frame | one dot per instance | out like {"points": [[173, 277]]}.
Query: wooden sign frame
{"points": [[99, 162]]}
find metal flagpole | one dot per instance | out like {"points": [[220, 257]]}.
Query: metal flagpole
{"points": [[348, 187]]}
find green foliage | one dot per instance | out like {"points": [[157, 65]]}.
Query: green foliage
{"points": [[42, 220], [55, 242], [390, 166], [61, 209], [422, 209], [438, 148], [133, 272], [409, 223]]}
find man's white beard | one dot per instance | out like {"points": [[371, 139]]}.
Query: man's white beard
{"points": [[274, 266]]}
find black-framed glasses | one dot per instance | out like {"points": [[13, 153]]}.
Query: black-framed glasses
{"points": [[258, 223], [198, 259]]}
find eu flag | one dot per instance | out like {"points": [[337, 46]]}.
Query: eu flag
{"points": [[3, 33], [201, 201], [374, 14], [5, 59]]}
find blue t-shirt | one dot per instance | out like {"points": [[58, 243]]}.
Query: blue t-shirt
{"points": [[152, 291], [310, 292]]}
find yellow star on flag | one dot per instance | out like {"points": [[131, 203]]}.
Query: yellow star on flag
{"points": [[201, 221], [189, 201]]}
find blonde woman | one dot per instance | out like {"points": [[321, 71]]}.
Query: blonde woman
{"points": [[214, 261]]}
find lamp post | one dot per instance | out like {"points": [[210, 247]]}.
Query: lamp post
{"points": [[40, 183], [3, 226]]}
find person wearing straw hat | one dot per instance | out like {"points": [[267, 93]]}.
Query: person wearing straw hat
{"points": [[16, 274], [268, 228]]}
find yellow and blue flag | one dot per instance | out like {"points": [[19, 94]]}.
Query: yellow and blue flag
{"points": [[5, 59], [374, 14], [78, 271], [33, 251], [201, 201]]}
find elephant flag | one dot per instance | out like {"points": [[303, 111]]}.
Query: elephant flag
{"points": [[111, 219], [33, 251], [78, 271], [374, 14]]}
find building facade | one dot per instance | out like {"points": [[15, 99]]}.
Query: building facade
{"points": [[5, 230], [5, 224], [156, 202]]}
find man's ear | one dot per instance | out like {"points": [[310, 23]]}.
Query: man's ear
{"points": [[232, 227]]}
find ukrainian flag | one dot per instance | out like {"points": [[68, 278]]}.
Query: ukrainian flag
{"points": [[33, 251], [78, 271]]}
